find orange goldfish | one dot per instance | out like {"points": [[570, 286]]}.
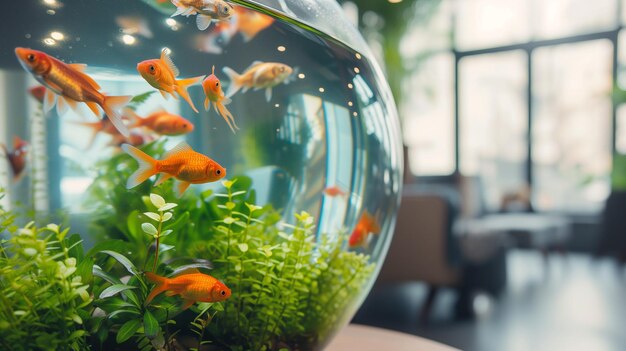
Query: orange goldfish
{"points": [[161, 73], [182, 163], [161, 122], [67, 84], [134, 139], [102, 126], [214, 94], [334, 191], [206, 11], [38, 93], [192, 286], [250, 23], [367, 224], [17, 157], [258, 76]]}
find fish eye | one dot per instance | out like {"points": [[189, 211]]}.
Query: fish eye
{"points": [[30, 57], [217, 84], [151, 68], [184, 125], [223, 292], [218, 172]]}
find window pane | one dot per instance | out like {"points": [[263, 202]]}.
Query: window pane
{"points": [[558, 18], [620, 130], [571, 131], [493, 118], [429, 31], [428, 118], [489, 23]]}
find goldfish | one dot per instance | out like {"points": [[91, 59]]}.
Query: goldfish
{"points": [[103, 126], [205, 10], [334, 191], [366, 225], [250, 23], [214, 94], [134, 25], [67, 84], [17, 157], [38, 93], [191, 285], [134, 139], [258, 76], [161, 122], [182, 163], [161, 73]]}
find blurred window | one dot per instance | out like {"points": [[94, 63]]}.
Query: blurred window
{"points": [[493, 117], [560, 18], [571, 131], [429, 116]]}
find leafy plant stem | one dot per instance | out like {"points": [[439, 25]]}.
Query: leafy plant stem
{"points": [[158, 237]]}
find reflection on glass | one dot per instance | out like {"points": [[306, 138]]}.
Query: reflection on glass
{"points": [[428, 116], [571, 125], [493, 121], [488, 23], [558, 18]]}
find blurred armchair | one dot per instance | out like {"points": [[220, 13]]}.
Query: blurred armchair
{"points": [[423, 248]]}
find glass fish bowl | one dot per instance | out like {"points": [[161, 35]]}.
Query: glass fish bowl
{"points": [[190, 175]]}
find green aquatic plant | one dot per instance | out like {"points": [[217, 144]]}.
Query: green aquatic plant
{"points": [[289, 286], [44, 289]]}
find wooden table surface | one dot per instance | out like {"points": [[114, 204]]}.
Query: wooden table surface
{"points": [[363, 338]]}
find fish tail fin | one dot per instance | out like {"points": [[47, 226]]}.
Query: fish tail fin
{"points": [[162, 284], [228, 117], [181, 89], [235, 81], [111, 105], [135, 120], [180, 9], [147, 166], [95, 128]]}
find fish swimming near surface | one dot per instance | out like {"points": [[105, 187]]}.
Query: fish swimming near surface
{"points": [[192, 286], [334, 191], [206, 11], [181, 163], [161, 73], [366, 225], [215, 95], [160, 122], [67, 84], [16, 157], [260, 75]]}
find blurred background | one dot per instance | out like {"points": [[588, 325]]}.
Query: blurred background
{"points": [[511, 233]]}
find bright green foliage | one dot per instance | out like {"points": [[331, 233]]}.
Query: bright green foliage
{"points": [[44, 290], [288, 288]]}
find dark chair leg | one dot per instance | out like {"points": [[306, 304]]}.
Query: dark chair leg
{"points": [[428, 304]]}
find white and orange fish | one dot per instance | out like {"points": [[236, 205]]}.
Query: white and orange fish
{"points": [[215, 95], [206, 11], [250, 23], [182, 163], [16, 157], [67, 84], [161, 73], [160, 122], [366, 225], [260, 75], [192, 286]]}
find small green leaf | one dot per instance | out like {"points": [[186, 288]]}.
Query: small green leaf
{"points": [[114, 289], [149, 229], [153, 216], [166, 216], [157, 200], [150, 325], [229, 220], [167, 232], [167, 207], [98, 272], [243, 247], [127, 330], [130, 267], [227, 183], [230, 205]]}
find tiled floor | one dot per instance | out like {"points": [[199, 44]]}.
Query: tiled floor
{"points": [[570, 302]]}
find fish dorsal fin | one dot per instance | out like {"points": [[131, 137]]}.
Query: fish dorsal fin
{"points": [[181, 147], [187, 271], [255, 63], [165, 57], [80, 67]]}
